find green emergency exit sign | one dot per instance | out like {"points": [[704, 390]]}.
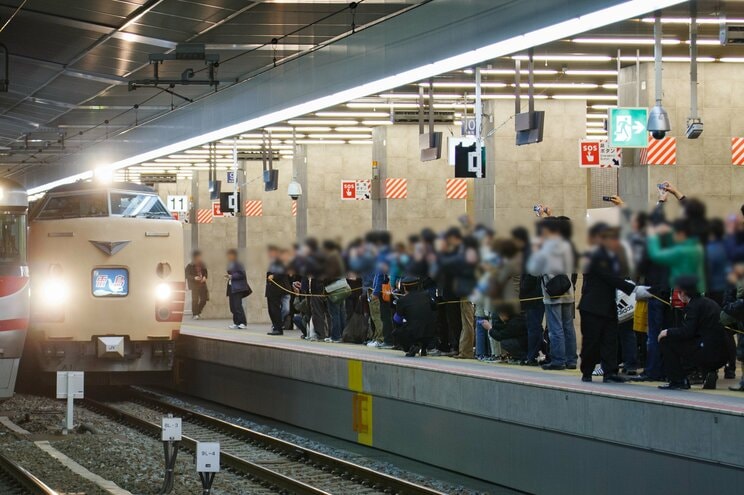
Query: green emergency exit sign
{"points": [[627, 127]]}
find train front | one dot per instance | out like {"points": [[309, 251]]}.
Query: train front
{"points": [[14, 282], [108, 285]]}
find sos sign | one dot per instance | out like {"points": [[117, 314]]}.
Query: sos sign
{"points": [[589, 154]]}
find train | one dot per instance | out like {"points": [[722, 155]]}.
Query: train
{"points": [[14, 282], [107, 282]]}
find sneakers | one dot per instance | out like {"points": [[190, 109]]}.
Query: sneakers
{"points": [[385, 346], [233, 326], [586, 378], [683, 385], [374, 343], [434, 352], [196, 317], [275, 332], [242, 326], [598, 371]]}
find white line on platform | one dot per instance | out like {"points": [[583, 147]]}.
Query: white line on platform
{"points": [[76, 468]]}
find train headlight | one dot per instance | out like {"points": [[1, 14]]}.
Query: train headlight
{"points": [[54, 292], [163, 292]]}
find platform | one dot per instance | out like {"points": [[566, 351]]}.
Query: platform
{"points": [[492, 421]]}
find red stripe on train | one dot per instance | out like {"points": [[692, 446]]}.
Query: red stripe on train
{"points": [[16, 324], [11, 285]]}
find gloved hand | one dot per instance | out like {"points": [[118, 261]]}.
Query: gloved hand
{"points": [[642, 292]]}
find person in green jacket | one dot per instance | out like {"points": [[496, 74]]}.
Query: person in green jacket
{"points": [[684, 256]]}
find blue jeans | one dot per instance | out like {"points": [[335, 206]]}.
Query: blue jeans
{"points": [[628, 345], [534, 317], [562, 333], [285, 305], [656, 312], [336, 311], [482, 345]]}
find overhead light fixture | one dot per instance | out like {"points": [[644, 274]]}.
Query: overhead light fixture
{"points": [[596, 131], [376, 122], [279, 128], [596, 116], [322, 122], [455, 84], [688, 20], [624, 41], [361, 141], [415, 96], [595, 124], [591, 97], [602, 106], [730, 60], [566, 58], [519, 42], [510, 72], [628, 58], [318, 141], [395, 105], [574, 72], [352, 129], [352, 114], [313, 129], [333, 136], [566, 85]]}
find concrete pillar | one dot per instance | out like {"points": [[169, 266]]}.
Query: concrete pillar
{"points": [[195, 205], [299, 171], [379, 174], [633, 179], [241, 175]]}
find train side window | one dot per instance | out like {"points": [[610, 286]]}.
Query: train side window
{"points": [[82, 205]]}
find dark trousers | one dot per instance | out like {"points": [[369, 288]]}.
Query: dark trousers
{"points": [[236, 308], [452, 327], [599, 343], [534, 317], [386, 314], [275, 312], [679, 357], [514, 348], [320, 316], [199, 296]]}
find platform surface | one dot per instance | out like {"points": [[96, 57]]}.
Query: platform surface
{"points": [[721, 400]]}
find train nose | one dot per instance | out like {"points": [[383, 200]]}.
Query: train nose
{"points": [[110, 347]]}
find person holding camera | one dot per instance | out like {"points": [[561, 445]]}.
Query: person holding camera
{"points": [[554, 263], [415, 318]]}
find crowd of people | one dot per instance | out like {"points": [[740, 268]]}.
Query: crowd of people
{"points": [[659, 300]]}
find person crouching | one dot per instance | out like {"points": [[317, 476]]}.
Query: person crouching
{"points": [[510, 330], [415, 318]]}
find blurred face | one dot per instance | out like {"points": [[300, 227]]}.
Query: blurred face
{"points": [[197, 258], [231, 257], [611, 243], [679, 236]]}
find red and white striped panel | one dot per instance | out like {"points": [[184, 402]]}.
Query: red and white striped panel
{"points": [[204, 215], [396, 188], [294, 208], [737, 151], [253, 208], [457, 189], [660, 152]]}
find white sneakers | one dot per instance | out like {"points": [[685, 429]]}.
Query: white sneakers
{"points": [[374, 343], [196, 317], [237, 327]]}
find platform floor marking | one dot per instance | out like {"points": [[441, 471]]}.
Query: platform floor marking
{"points": [[356, 382], [6, 422], [104, 484]]}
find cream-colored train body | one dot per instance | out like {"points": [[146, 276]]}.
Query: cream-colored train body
{"points": [[107, 289]]}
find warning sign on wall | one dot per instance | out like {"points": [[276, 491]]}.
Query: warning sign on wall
{"points": [[359, 190], [593, 154]]}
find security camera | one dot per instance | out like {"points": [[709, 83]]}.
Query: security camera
{"points": [[694, 128], [294, 190], [658, 122]]}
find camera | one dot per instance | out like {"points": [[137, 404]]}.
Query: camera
{"points": [[658, 122], [294, 190]]}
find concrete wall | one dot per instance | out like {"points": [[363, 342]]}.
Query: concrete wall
{"points": [[545, 173], [704, 166]]}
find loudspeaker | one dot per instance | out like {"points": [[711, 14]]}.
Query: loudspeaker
{"points": [[271, 180]]}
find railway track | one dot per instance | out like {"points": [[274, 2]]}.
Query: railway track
{"points": [[15, 480], [275, 462]]}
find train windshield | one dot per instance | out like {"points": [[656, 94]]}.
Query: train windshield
{"points": [[130, 204], [13, 238], [79, 205]]}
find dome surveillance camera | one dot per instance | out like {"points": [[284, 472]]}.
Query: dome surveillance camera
{"points": [[294, 190], [658, 122]]}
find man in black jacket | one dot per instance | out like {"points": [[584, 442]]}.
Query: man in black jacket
{"points": [[277, 286], [699, 343], [196, 279], [415, 317], [599, 326], [510, 330]]}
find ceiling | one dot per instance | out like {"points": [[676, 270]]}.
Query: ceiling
{"points": [[74, 88], [70, 62]]}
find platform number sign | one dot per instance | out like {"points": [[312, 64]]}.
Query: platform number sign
{"points": [[178, 204], [207, 457]]}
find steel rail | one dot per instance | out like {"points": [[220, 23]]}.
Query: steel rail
{"points": [[24, 477], [260, 473], [293, 451]]}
